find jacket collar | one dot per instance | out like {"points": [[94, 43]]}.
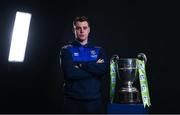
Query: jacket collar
{"points": [[76, 43]]}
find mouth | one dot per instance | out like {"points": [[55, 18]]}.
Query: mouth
{"points": [[81, 35]]}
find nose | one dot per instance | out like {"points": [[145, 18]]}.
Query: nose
{"points": [[81, 30]]}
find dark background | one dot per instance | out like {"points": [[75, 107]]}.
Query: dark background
{"points": [[125, 28]]}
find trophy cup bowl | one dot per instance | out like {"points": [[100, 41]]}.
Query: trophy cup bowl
{"points": [[127, 70]]}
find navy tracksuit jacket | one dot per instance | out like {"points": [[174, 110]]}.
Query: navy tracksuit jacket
{"points": [[84, 82]]}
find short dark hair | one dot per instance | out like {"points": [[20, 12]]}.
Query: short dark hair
{"points": [[81, 19]]}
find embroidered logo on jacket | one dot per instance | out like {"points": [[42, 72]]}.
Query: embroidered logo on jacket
{"points": [[93, 54]]}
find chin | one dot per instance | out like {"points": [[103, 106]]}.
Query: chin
{"points": [[82, 39]]}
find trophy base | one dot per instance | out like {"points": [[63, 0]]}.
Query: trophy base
{"points": [[129, 95]]}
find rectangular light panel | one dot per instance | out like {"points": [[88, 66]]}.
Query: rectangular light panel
{"points": [[19, 37]]}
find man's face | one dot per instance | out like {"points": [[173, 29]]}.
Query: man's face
{"points": [[81, 30]]}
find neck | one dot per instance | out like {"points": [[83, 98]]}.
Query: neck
{"points": [[83, 42]]}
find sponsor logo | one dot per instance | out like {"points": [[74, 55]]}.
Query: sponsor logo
{"points": [[76, 54]]}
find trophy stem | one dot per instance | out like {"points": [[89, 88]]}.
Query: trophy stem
{"points": [[129, 85]]}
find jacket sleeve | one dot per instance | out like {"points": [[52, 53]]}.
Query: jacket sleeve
{"points": [[68, 66], [97, 69]]}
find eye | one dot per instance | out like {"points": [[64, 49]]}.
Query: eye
{"points": [[78, 28], [85, 28]]}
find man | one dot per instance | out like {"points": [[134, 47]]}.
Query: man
{"points": [[83, 65]]}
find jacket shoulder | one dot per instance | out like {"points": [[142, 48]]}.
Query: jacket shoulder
{"points": [[97, 47], [66, 46]]}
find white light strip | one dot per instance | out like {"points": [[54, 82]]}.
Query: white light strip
{"points": [[19, 37]]}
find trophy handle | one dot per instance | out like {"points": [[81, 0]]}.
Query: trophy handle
{"points": [[115, 58], [142, 56]]}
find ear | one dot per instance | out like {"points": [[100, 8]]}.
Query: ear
{"points": [[89, 29]]}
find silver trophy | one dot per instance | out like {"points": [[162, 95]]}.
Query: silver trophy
{"points": [[127, 72]]}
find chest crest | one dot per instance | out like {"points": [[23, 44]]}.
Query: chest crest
{"points": [[93, 53]]}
